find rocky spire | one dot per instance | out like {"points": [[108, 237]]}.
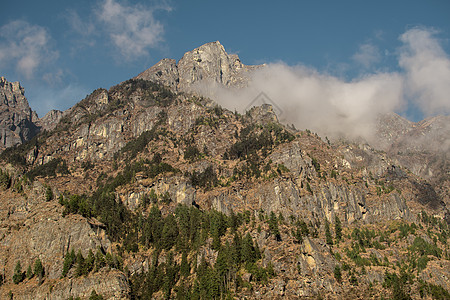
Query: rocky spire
{"points": [[16, 116], [209, 62]]}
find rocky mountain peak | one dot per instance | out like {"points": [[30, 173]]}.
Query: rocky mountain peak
{"points": [[207, 63], [13, 94], [16, 116]]}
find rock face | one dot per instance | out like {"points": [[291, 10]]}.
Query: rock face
{"points": [[50, 120], [111, 285], [33, 228], [209, 63], [422, 147], [16, 116]]}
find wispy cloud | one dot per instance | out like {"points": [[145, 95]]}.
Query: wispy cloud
{"points": [[133, 29], [26, 47], [427, 69], [367, 55]]}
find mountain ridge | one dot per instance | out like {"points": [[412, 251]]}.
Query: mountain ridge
{"points": [[175, 195]]}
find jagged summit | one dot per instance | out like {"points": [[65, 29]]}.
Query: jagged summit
{"points": [[209, 62], [16, 116]]}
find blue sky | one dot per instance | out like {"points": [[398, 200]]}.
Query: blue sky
{"points": [[62, 50]]}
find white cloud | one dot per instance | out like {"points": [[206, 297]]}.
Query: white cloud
{"points": [[320, 102], [427, 69], [132, 29], [26, 47], [335, 107], [367, 55]]}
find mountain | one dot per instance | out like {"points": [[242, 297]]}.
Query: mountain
{"points": [[146, 190], [16, 117], [208, 63]]}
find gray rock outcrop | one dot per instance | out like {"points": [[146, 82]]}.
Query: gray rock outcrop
{"points": [[16, 116], [207, 63]]}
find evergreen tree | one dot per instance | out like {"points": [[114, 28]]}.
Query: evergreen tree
{"points": [[79, 264], [99, 261], [328, 236], [169, 232], [297, 234], [18, 274], [338, 273], [236, 249], [95, 296], [185, 268], [222, 268], [49, 194], [69, 259], [89, 262], [248, 250], [29, 272], [337, 228], [273, 226], [38, 269]]}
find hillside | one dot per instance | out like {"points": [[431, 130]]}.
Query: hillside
{"points": [[149, 191]]}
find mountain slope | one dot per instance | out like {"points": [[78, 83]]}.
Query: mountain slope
{"points": [[182, 198]]}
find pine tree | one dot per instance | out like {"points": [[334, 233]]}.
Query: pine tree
{"points": [[337, 228], [18, 275], [273, 226], [69, 259], [328, 236], [38, 269], [99, 261], [185, 268], [89, 263], [79, 264], [338, 273], [248, 250], [95, 296], [29, 272]]}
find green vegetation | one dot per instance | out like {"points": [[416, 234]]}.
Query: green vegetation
{"points": [[49, 169], [18, 276], [38, 269], [184, 232], [250, 141], [95, 296], [328, 236], [191, 153], [92, 263], [206, 179], [337, 229], [273, 226], [5, 180], [338, 273]]}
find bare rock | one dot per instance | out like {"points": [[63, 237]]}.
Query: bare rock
{"points": [[207, 63], [16, 117], [50, 120]]}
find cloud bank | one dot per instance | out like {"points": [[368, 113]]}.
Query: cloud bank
{"points": [[427, 71], [335, 107]]}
